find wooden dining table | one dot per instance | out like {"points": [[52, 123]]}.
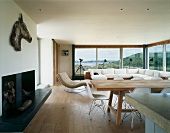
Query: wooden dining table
{"points": [[123, 86]]}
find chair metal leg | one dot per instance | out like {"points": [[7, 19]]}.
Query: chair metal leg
{"points": [[93, 108], [115, 103], [126, 106], [133, 115], [139, 115]]}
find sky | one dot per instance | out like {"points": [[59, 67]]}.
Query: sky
{"points": [[109, 54], [88, 54]]}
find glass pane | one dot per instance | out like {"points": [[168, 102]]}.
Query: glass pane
{"points": [[168, 57], [85, 58], [108, 58], [156, 58], [133, 57]]}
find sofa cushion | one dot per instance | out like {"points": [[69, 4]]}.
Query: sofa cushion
{"points": [[125, 75], [156, 78], [147, 78], [164, 74], [156, 73], [120, 71], [111, 75], [140, 75], [98, 77], [142, 71], [93, 71], [137, 78], [118, 78], [108, 71], [132, 71], [149, 72]]}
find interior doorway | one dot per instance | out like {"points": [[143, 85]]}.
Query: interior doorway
{"points": [[55, 58]]}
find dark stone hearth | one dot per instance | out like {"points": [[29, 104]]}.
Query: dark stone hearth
{"points": [[19, 122]]}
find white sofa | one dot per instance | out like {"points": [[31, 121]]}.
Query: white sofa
{"points": [[111, 73]]}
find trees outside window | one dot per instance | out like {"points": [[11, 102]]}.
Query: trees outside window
{"points": [[156, 58], [133, 57], [168, 57]]}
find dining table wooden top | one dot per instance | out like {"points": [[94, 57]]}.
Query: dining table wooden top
{"points": [[123, 85]]}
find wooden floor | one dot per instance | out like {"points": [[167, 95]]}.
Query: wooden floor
{"points": [[68, 113]]}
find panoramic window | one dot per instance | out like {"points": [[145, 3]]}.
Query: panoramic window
{"points": [[168, 57], [133, 57], [85, 58], [156, 58], [108, 58]]}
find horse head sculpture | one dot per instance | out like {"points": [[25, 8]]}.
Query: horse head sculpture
{"points": [[19, 31]]}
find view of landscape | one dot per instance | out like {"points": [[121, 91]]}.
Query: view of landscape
{"points": [[109, 58]]}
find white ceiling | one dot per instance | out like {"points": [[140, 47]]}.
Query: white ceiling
{"points": [[100, 21]]}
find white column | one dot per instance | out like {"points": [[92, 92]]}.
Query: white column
{"points": [[96, 57], [147, 57], [121, 58]]}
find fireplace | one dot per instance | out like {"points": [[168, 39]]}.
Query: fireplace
{"points": [[17, 90], [21, 101]]}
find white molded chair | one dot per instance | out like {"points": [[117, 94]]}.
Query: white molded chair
{"points": [[97, 102], [138, 90], [71, 86], [166, 90]]}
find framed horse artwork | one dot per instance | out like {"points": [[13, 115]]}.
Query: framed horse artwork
{"points": [[19, 31]]}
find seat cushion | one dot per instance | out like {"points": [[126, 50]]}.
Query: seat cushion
{"points": [[149, 72], [156, 73], [120, 71], [108, 71], [132, 71], [142, 71], [125, 75], [98, 77], [111, 75]]}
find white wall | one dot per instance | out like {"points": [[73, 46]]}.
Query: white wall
{"points": [[11, 61], [65, 62], [46, 61]]}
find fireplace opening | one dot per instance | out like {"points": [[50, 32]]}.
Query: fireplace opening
{"points": [[17, 93]]}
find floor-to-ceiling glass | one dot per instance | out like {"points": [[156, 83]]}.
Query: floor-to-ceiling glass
{"points": [[108, 58], [132, 57], [85, 58], [168, 57], [156, 58]]}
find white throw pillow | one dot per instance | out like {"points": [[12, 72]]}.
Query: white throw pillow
{"points": [[99, 71], [149, 72], [156, 73], [164, 74], [142, 71], [132, 71], [120, 71]]}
